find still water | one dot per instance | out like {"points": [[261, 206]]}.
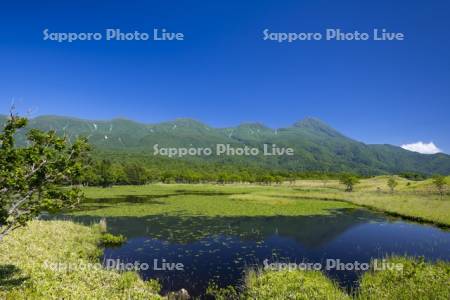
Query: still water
{"points": [[220, 250]]}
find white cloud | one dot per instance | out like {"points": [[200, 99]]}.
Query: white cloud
{"points": [[424, 148]]}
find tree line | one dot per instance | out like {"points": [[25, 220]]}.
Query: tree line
{"points": [[106, 173]]}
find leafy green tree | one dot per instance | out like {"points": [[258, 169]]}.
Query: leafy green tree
{"points": [[31, 176], [136, 174], [167, 177], [278, 179], [106, 173], [118, 174], [440, 183], [266, 179], [392, 183], [234, 178], [90, 176], [222, 178], [349, 181]]}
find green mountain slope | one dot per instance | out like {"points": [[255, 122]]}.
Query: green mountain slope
{"points": [[317, 146]]}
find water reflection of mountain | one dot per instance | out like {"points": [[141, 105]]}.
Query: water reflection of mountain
{"points": [[310, 231]]}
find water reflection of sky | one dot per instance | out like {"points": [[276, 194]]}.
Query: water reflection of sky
{"points": [[221, 249]]}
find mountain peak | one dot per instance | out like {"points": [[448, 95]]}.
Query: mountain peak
{"points": [[254, 125], [316, 125], [188, 122], [310, 121]]}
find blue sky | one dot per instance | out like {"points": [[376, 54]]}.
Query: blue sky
{"points": [[224, 73]]}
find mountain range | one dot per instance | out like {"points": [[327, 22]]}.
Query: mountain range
{"points": [[317, 146]]}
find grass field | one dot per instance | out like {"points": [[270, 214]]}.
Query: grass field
{"points": [[291, 285], [28, 258], [417, 280], [414, 200], [199, 200]]}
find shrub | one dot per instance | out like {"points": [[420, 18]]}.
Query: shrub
{"points": [[440, 183], [418, 280], [295, 284], [349, 181], [392, 183], [226, 293], [109, 240]]}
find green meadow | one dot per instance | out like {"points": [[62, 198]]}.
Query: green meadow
{"points": [[415, 200], [199, 200], [418, 280], [60, 260]]}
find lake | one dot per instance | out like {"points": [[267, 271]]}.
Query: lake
{"points": [[221, 249]]}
